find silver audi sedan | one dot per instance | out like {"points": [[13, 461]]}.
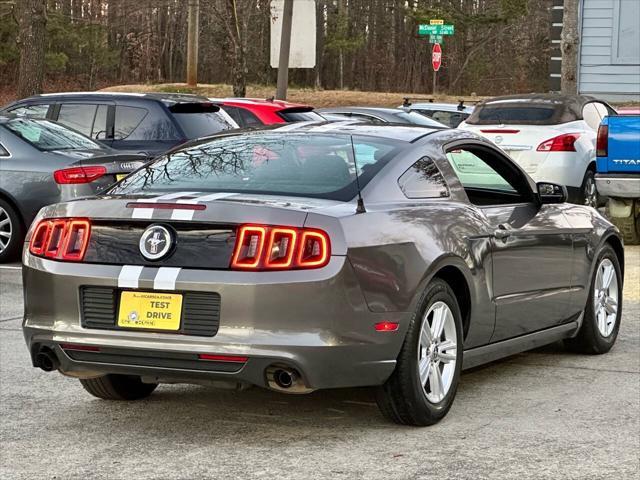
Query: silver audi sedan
{"points": [[316, 256]]}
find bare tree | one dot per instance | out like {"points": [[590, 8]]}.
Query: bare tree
{"points": [[32, 21], [569, 47]]}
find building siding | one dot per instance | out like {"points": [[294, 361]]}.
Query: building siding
{"points": [[601, 73]]}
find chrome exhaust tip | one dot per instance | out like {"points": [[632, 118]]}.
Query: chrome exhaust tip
{"points": [[285, 379]]}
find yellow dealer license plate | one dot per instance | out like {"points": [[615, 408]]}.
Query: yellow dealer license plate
{"points": [[155, 311], [120, 176]]}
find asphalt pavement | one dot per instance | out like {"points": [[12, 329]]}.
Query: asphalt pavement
{"points": [[542, 414]]}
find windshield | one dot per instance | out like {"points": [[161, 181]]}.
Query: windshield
{"points": [[196, 125], [308, 165], [46, 135], [416, 119]]}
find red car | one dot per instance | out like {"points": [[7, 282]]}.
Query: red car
{"points": [[249, 112]]}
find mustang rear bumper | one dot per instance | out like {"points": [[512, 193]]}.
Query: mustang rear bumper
{"points": [[315, 322]]}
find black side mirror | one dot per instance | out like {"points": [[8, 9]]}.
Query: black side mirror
{"points": [[552, 193]]}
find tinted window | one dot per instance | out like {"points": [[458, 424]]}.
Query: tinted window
{"points": [[451, 119], [126, 121], [299, 164], [248, 118], [78, 116], [474, 172], [3, 151], [46, 135], [423, 180], [337, 117], [416, 119], [196, 125], [521, 115], [99, 130], [293, 116], [34, 111]]}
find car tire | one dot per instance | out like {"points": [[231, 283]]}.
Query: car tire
{"points": [[11, 233], [118, 387], [589, 195], [409, 398], [600, 325]]}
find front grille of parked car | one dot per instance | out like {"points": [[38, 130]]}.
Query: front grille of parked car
{"points": [[200, 310]]}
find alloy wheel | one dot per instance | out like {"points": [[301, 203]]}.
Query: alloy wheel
{"points": [[605, 297], [437, 352], [590, 192], [5, 229]]}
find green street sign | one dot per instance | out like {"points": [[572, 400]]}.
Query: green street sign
{"points": [[436, 39], [424, 29]]}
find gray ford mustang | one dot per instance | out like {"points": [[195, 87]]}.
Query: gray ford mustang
{"points": [[250, 258]]}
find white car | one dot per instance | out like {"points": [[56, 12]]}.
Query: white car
{"points": [[551, 136]]}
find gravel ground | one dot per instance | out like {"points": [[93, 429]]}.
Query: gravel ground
{"points": [[543, 414]]}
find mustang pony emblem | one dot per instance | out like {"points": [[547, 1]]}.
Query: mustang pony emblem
{"points": [[156, 242]]}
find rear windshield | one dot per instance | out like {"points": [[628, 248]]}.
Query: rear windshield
{"points": [[515, 113], [196, 125], [416, 119], [46, 135], [307, 165], [300, 116]]}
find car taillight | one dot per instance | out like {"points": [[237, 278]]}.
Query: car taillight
{"points": [[61, 239], [561, 143], [602, 143], [260, 247], [75, 175]]}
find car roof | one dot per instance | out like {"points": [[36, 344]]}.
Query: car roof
{"points": [[572, 102], [259, 102], [162, 97], [447, 107], [383, 110], [401, 132]]}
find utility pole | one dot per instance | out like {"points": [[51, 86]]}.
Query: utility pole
{"points": [[285, 48], [192, 43], [569, 47]]}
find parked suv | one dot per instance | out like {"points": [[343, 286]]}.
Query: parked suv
{"points": [[149, 123]]}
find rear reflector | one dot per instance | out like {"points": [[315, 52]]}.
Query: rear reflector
{"points": [[167, 206], [500, 130], [602, 143], [386, 326], [222, 358], [84, 348], [75, 175], [61, 239], [260, 247], [561, 143]]}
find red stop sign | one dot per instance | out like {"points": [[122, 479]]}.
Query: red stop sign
{"points": [[436, 57]]}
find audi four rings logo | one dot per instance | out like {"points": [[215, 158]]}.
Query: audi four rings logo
{"points": [[156, 242]]}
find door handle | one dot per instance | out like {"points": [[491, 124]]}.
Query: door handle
{"points": [[503, 231]]}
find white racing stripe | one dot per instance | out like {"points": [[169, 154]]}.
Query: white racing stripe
{"points": [[188, 214], [129, 276], [148, 212], [166, 277]]}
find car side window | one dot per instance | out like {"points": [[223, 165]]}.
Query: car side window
{"points": [[234, 113], [423, 180], [33, 111], [127, 120], [488, 178], [591, 116], [99, 129], [248, 118], [78, 116]]}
